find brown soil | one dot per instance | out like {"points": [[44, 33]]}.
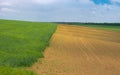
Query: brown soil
{"points": [[77, 50]]}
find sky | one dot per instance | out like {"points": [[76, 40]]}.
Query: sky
{"points": [[61, 10]]}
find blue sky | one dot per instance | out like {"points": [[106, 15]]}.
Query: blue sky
{"points": [[61, 10], [101, 1]]}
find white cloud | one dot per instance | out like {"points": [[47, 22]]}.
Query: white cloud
{"points": [[44, 2], [7, 10], [0, 13], [93, 12], [5, 4], [85, 1], [118, 1]]}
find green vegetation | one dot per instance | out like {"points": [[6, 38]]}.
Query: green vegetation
{"points": [[14, 71], [22, 43], [106, 26]]}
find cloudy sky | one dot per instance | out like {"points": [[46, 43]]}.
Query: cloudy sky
{"points": [[61, 10]]}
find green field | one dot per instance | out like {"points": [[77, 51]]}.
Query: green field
{"points": [[105, 26], [14, 71], [22, 43]]}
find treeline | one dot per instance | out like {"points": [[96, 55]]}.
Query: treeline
{"points": [[78, 23]]}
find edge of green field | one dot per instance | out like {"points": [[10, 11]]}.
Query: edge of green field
{"points": [[15, 71], [103, 26], [21, 44]]}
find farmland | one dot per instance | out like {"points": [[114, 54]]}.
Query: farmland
{"points": [[105, 26], [21, 44], [26, 48], [79, 50]]}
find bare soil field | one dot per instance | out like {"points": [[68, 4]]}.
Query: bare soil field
{"points": [[77, 50]]}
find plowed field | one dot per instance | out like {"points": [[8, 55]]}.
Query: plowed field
{"points": [[77, 50]]}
